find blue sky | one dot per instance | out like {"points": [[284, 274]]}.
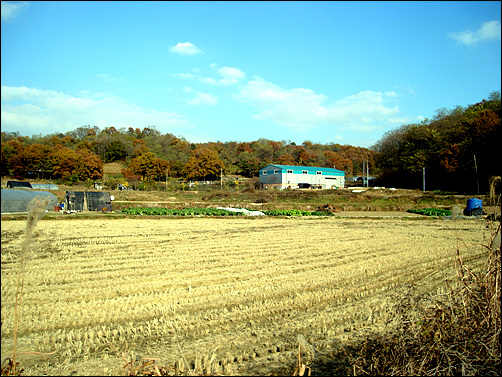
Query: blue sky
{"points": [[342, 72]]}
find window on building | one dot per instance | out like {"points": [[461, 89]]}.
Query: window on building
{"points": [[264, 172], [304, 172], [290, 171], [318, 172], [276, 171]]}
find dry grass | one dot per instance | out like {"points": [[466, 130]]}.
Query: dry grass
{"points": [[214, 296], [455, 332], [113, 168]]}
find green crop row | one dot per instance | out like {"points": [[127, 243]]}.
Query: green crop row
{"points": [[295, 212], [192, 211], [431, 211]]}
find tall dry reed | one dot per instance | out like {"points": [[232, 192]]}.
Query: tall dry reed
{"points": [[36, 210]]}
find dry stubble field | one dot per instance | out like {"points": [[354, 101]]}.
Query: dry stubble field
{"points": [[218, 295]]}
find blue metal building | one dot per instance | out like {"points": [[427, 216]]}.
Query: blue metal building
{"points": [[289, 176]]}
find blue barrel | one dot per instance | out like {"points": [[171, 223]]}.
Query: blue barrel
{"points": [[474, 203]]}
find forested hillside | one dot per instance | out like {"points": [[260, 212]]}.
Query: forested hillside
{"points": [[459, 149], [149, 154]]}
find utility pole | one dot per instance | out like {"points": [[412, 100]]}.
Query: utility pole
{"points": [[367, 174], [167, 174], [423, 179], [221, 176], [476, 167], [363, 173]]}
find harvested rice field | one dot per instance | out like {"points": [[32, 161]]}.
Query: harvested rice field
{"points": [[215, 295]]}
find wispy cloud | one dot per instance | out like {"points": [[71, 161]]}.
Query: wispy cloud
{"points": [[489, 31], [231, 72], [109, 78], [202, 99], [11, 9], [184, 76], [302, 109], [33, 111], [185, 48], [228, 76]]}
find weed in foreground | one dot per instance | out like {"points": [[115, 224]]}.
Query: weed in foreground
{"points": [[457, 333], [36, 210], [306, 355], [138, 366]]}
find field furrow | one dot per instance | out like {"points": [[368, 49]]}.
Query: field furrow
{"points": [[237, 290]]}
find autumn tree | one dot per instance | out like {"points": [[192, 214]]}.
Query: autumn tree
{"points": [[63, 162], [71, 165], [335, 160], [286, 159], [12, 157], [249, 165], [139, 148], [36, 159], [89, 166], [147, 166], [115, 151], [203, 164]]}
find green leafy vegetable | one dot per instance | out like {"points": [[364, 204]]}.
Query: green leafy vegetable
{"points": [[431, 211]]}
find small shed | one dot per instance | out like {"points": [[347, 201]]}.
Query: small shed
{"points": [[18, 184], [18, 200], [79, 201]]}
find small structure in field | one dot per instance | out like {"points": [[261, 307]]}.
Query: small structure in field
{"points": [[289, 176], [18, 184], [44, 186], [78, 201], [18, 200]]}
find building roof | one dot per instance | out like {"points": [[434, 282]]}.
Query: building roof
{"points": [[308, 168]]}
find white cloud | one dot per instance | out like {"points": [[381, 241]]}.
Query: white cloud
{"points": [[303, 109], [203, 99], [10, 9], [109, 78], [406, 119], [231, 72], [208, 80], [185, 76], [487, 32], [32, 111], [185, 48], [229, 76]]}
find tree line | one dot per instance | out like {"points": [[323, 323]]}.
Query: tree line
{"points": [[149, 155], [458, 148]]}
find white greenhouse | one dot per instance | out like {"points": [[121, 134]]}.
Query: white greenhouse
{"points": [[18, 200]]}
